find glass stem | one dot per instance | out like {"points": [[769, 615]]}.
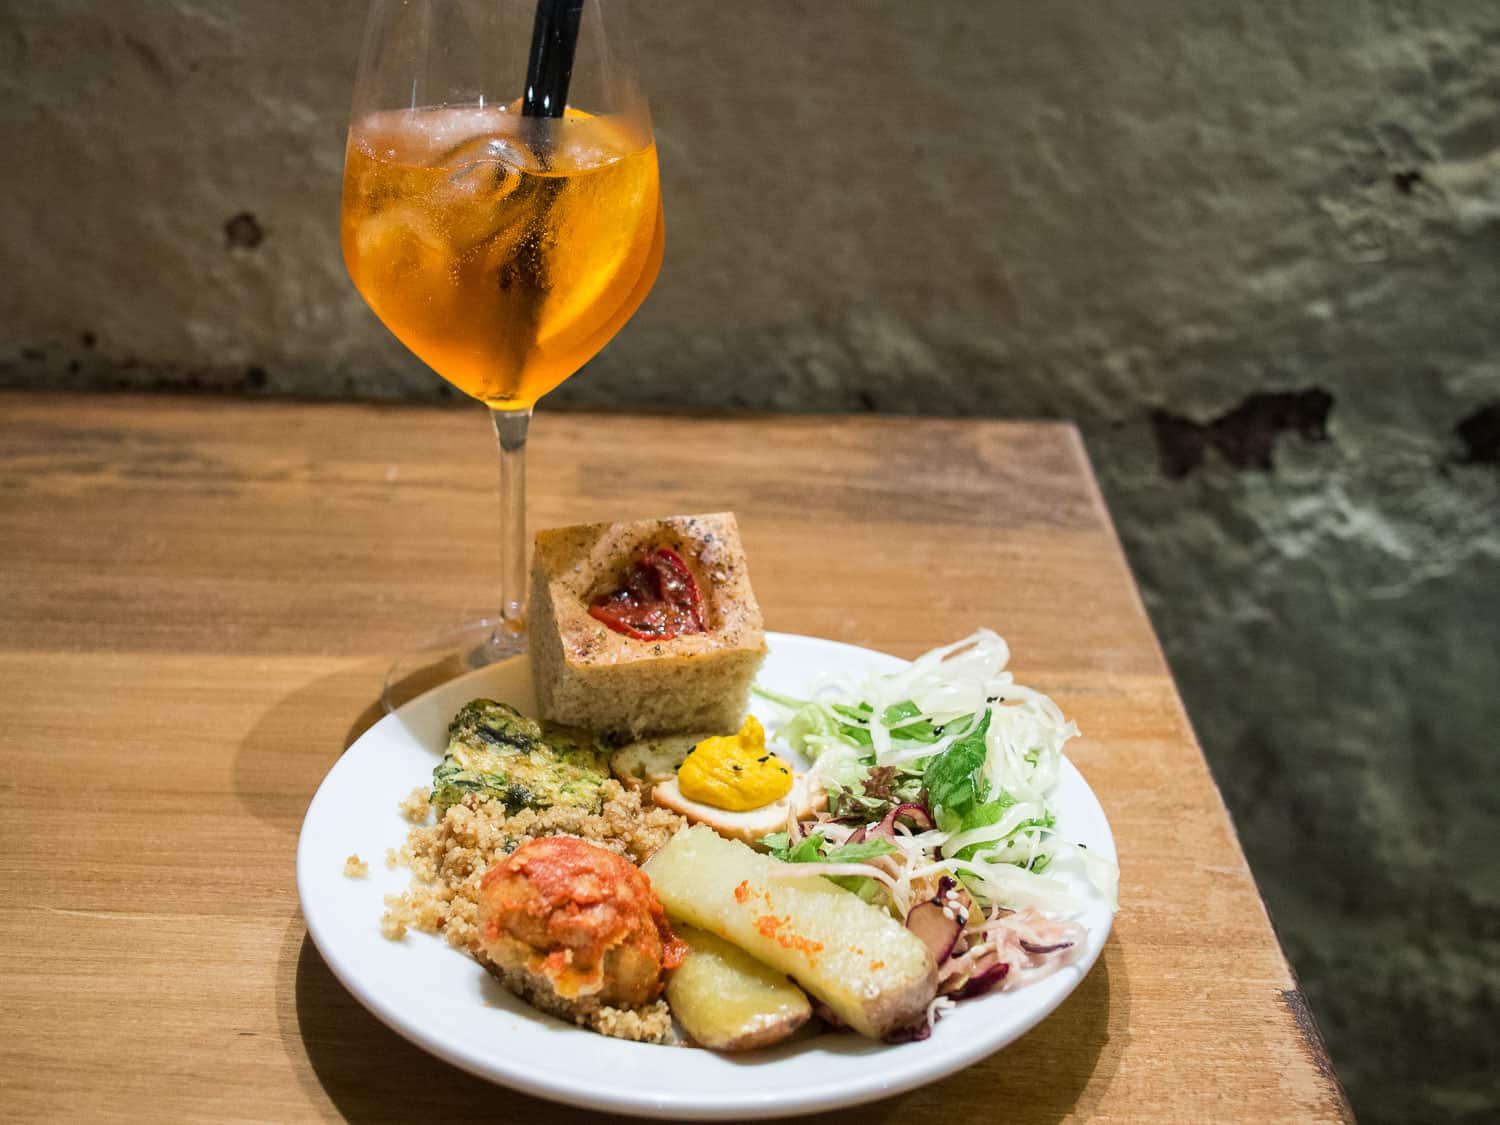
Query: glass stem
{"points": [[510, 429]]}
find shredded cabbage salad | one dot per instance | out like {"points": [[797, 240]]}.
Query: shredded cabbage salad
{"points": [[939, 780]]}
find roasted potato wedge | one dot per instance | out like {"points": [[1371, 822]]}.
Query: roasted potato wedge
{"points": [[727, 1000], [871, 971]]}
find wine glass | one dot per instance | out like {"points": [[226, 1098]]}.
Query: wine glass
{"points": [[502, 217]]}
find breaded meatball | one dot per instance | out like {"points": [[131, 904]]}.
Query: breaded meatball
{"points": [[575, 920]]}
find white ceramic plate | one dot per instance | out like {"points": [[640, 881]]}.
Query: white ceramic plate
{"points": [[444, 1002]]}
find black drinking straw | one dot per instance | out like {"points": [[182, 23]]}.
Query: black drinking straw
{"points": [[554, 38]]}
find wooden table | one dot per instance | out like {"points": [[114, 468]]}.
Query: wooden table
{"points": [[200, 598]]}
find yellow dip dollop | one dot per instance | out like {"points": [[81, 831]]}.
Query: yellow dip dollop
{"points": [[735, 772]]}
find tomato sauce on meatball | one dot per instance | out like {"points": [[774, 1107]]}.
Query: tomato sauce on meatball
{"points": [[579, 919]]}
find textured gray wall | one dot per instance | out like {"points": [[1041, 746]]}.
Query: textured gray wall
{"points": [[1253, 249]]}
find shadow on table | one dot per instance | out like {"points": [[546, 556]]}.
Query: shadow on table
{"points": [[280, 763], [344, 1055], [1058, 1069], [369, 1073]]}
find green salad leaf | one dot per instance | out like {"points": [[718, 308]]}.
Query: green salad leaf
{"points": [[855, 853], [952, 778], [815, 849], [857, 730]]}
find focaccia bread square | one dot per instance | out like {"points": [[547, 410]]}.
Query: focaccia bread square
{"points": [[589, 675]]}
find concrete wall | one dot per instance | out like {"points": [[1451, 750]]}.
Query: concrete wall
{"points": [[1254, 249]]}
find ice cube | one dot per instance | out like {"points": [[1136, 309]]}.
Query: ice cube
{"points": [[398, 243], [482, 174], [490, 149], [482, 179]]}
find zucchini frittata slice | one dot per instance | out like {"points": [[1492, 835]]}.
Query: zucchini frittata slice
{"points": [[495, 750]]}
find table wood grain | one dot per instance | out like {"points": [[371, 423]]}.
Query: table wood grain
{"points": [[198, 599]]}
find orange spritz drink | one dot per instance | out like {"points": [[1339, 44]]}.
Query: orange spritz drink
{"points": [[503, 250]]}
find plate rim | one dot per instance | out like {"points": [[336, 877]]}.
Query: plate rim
{"points": [[888, 1080]]}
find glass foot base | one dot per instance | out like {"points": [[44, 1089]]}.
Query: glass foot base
{"points": [[449, 655]]}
